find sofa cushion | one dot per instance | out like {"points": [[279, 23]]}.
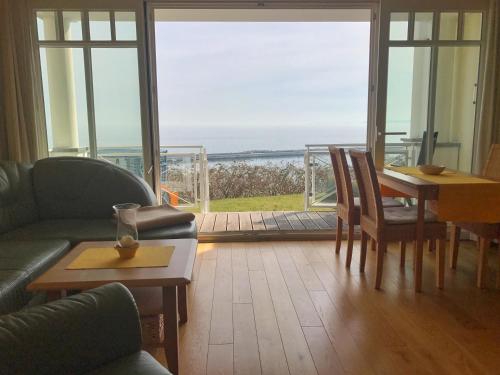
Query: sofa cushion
{"points": [[82, 188], [17, 201], [78, 230], [20, 263], [138, 363]]}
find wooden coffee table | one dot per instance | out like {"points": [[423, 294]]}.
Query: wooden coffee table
{"points": [[172, 280]]}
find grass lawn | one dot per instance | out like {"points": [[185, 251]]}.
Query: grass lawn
{"points": [[293, 202]]}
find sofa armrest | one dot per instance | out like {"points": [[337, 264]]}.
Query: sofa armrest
{"points": [[71, 335]]}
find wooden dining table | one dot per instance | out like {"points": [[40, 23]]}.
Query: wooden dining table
{"points": [[453, 196]]}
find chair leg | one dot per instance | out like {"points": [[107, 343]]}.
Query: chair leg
{"points": [[350, 243], [440, 259], [381, 249], [432, 245], [362, 255], [338, 239], [454, 243], [373, 244], [402, 260], [482, 266]]}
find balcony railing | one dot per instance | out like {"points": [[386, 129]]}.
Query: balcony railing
{"points": [[320, 190]]}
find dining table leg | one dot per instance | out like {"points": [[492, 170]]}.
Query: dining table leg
{"points": [[419, 248], [171, 328]]}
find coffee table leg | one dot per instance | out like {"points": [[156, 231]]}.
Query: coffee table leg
{"points": [[171, 328], [183, 308]]}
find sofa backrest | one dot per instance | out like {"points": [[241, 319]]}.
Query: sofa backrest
{"points": [[17, 201], [82, 188]]}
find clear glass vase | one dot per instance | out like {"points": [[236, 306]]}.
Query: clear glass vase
{"points": [[126, 230]]}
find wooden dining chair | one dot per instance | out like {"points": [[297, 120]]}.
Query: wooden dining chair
{"points": [[348, 206], [390, 224], [485, 231]]}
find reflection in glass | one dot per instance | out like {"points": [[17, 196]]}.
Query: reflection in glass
{"points": [[72, 22], [407, 102], [399, 26], [472, 26], [117, 107], [63, 80], [448, 26], [100, 26], [125, 26], [46, 25], [454, 119], [423, 26]]}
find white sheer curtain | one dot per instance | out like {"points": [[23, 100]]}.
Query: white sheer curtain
{"points": [[18, 108], [489, 115]]}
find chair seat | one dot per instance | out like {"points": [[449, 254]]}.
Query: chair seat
{"points": [[386, 202], [406, 215]]}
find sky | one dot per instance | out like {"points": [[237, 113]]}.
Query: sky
{"points": [[262, 85]]}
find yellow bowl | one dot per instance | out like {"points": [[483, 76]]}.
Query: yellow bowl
{"points": [[127, 252], [431, 169]]}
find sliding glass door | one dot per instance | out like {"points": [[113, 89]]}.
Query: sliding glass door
{"points": [[430, 62], [92, 69]]}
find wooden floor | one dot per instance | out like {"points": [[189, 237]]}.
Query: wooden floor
{"points": [[293, 308], [254, 226]]}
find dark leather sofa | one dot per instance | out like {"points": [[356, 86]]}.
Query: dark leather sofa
{"points": [[48, 207], [96, 332]]}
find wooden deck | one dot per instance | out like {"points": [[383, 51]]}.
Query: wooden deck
{"points": [[250, 226]]}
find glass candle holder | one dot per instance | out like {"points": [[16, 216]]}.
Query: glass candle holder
{"points": [[126, 230]]}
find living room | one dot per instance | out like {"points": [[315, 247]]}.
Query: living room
{"points": [[149, 226]]}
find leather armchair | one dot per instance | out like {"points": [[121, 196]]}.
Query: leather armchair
{"points": [[96, 332]]}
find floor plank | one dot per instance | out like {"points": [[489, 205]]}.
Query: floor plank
{"points": [[294, 221], [220, 359], [272, 357], [269, 221], [246, 350], [220, 222], [208, 222], [296, 350], [245, 221], [221, 328], [257, 221], [361, 330], [233, 222], [281, 221]]}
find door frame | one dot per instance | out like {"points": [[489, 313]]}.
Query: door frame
{"points": [[412, 6], [373, 6], [97, 5]]}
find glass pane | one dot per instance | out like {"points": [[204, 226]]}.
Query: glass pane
{"points": [[472, 26], [63, 80], [399, 26], [100, 27], [407, 100], [423, 26], [117, 107], [448, 26], [454, 119], [72, 22], [46, 25], [125, 26]]}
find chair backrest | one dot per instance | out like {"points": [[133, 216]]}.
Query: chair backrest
{"points": [[369, 189], [423, 148], [345, 194], [492, 166]]}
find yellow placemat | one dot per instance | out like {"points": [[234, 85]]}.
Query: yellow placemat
{"points": [[462, 197], [107, 257]]}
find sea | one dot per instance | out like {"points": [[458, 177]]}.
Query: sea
{"points": [[260, 145]]}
